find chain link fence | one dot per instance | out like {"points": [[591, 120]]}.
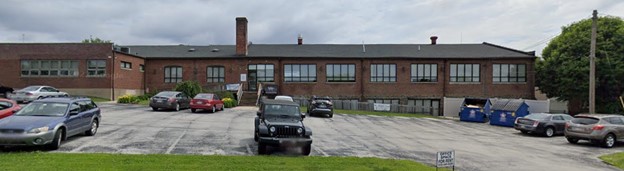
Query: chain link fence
{"points": [[367, 106]]}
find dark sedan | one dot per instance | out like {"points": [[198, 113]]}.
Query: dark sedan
{"points": [[321, 106], [542, 123], [170, 100], [47, 122]]}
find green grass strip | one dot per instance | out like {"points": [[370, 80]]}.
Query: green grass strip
{"points": [[151, 162], [616, 159]]}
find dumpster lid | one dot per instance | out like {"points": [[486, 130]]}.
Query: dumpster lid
{"points": [[513, 105], [499, 104]]}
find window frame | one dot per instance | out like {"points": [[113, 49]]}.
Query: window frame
{"points": [[309, 76], [210, 74], [337, 78], [465, 77], [97, 68], [63, 68], [432, 74], [503, 73], [383, 73], [171, 78], [126, 65]]}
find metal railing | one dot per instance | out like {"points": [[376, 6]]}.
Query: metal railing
{"points": [[367, 106], [239, 94]]}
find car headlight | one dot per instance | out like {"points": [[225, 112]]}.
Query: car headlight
{"points": [[39, 130], [272, 129], [300, 130]]}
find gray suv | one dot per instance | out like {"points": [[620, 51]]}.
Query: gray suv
{"points": [[605, 130], [280, 124]]}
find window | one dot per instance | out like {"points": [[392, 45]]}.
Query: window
{"points": [[126, 65], [300, 73], [142, 68], [173, 74], [383, 73], [264, 72], [45, 68], [557, 118], [340, 72], [215, 74], [424, 73], [464, 73], [427, 106], [384, 101], [509, 73], [96, 68]]}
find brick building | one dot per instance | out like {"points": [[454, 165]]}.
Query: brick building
{"points": [[419, 74]]}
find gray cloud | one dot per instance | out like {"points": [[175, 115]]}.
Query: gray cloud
{"points": [[520, 24]]}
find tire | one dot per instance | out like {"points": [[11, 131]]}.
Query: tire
{"points": [[40, 97], [524, 132], [214, 109], [305, 150], [58, 137], [155, 108], [177, 107], [193, 110], [262, 149], [572, 140], [94, 126], [609, 141], [549, 132], [331, 115]]}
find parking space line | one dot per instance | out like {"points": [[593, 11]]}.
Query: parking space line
{"points": [[175, 143], [320, 151], [249, 149]]}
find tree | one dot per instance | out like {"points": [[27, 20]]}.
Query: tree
{"points": [[564, 70], [96, 40]]}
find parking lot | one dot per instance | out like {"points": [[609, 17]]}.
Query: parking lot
{"points": [[135, 129]]}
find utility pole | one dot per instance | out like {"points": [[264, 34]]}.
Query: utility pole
{"points": [[592, 65]]}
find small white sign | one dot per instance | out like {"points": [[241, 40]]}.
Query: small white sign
{"points": [[243, 77], [445, 159], [381, 107]]}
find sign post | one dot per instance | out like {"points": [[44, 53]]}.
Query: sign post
{"points": [[445, 159]]}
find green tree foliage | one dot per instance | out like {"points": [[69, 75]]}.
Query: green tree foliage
{"points": [[564, 70], [96, 40], [190, 88]]}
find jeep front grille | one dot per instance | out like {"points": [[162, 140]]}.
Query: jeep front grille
{"points": [[286, 132]]}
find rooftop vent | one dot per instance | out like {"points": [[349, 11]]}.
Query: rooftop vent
{"points": [[191, 50], [215, 50]]}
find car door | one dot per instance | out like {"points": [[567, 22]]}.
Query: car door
{"points": [[619, 127], [217, 101], [53, 92], [86, 114], [73, 122], [559, 122]]}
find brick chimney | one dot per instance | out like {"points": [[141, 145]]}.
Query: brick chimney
{"points": [[241, 36], [299, 40], [434, 40]]}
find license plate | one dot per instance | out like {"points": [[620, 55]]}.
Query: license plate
{"points": [[199, 102], [159, 101], [527, 126], [576, 129], [322, 106]]}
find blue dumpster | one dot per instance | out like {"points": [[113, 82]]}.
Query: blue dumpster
{"points": [[505, 112], [474, 110]]}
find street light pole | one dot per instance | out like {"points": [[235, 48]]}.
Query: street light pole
{"points": [[592, 65]]}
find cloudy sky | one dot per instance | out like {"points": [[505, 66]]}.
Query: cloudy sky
{"points": [[520, 24]]}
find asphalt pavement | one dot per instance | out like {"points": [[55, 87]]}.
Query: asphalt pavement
{"points": [[135, 129]]}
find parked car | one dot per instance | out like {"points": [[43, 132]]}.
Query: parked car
{"points": [[280, 123], [5, 91], [49, 121], [170, 100], [269, 90], [542, 123], [8, 107], [206, 101], [600, 129], [32, 93], [282, 97], [320, 105]]}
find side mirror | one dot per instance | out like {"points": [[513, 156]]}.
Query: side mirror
{"points": [[258, 113], [303, 115], [74, 112]]}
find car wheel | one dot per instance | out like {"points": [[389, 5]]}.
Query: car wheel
{"points": [[193, 110], [58, 137], [262, 148], [609, 141], [572, 140], [94, 127], [306, 149], [549, 132], [155, 108], [177, 107], [40, 97], [331, 115], [524, 132], [214, 109]]}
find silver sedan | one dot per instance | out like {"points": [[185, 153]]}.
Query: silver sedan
{"points": [[32, 93]]}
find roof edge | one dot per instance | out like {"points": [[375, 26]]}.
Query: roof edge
{"points": [[530, 53]]}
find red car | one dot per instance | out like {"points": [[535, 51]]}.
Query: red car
{"points": [[8, 107], [206, 101]]}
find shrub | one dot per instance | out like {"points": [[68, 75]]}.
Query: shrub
{"points": [[190, 88], [132, 99], [144, 97], [229, 102]]}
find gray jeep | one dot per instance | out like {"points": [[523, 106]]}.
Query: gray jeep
{"points": [[280, 124]]}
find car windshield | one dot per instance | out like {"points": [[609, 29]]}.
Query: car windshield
{"points": [[167, 94], [31, 88], [43, 109], [537, 116], [322, 98], [203, 96], [281, 110]]}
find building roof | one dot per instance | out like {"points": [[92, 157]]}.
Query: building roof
{"points": [[459, 51]]}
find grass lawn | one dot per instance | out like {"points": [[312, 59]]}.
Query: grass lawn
{"points": [[362, 112], [101, 161], [616, 159], [144, 102]]}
